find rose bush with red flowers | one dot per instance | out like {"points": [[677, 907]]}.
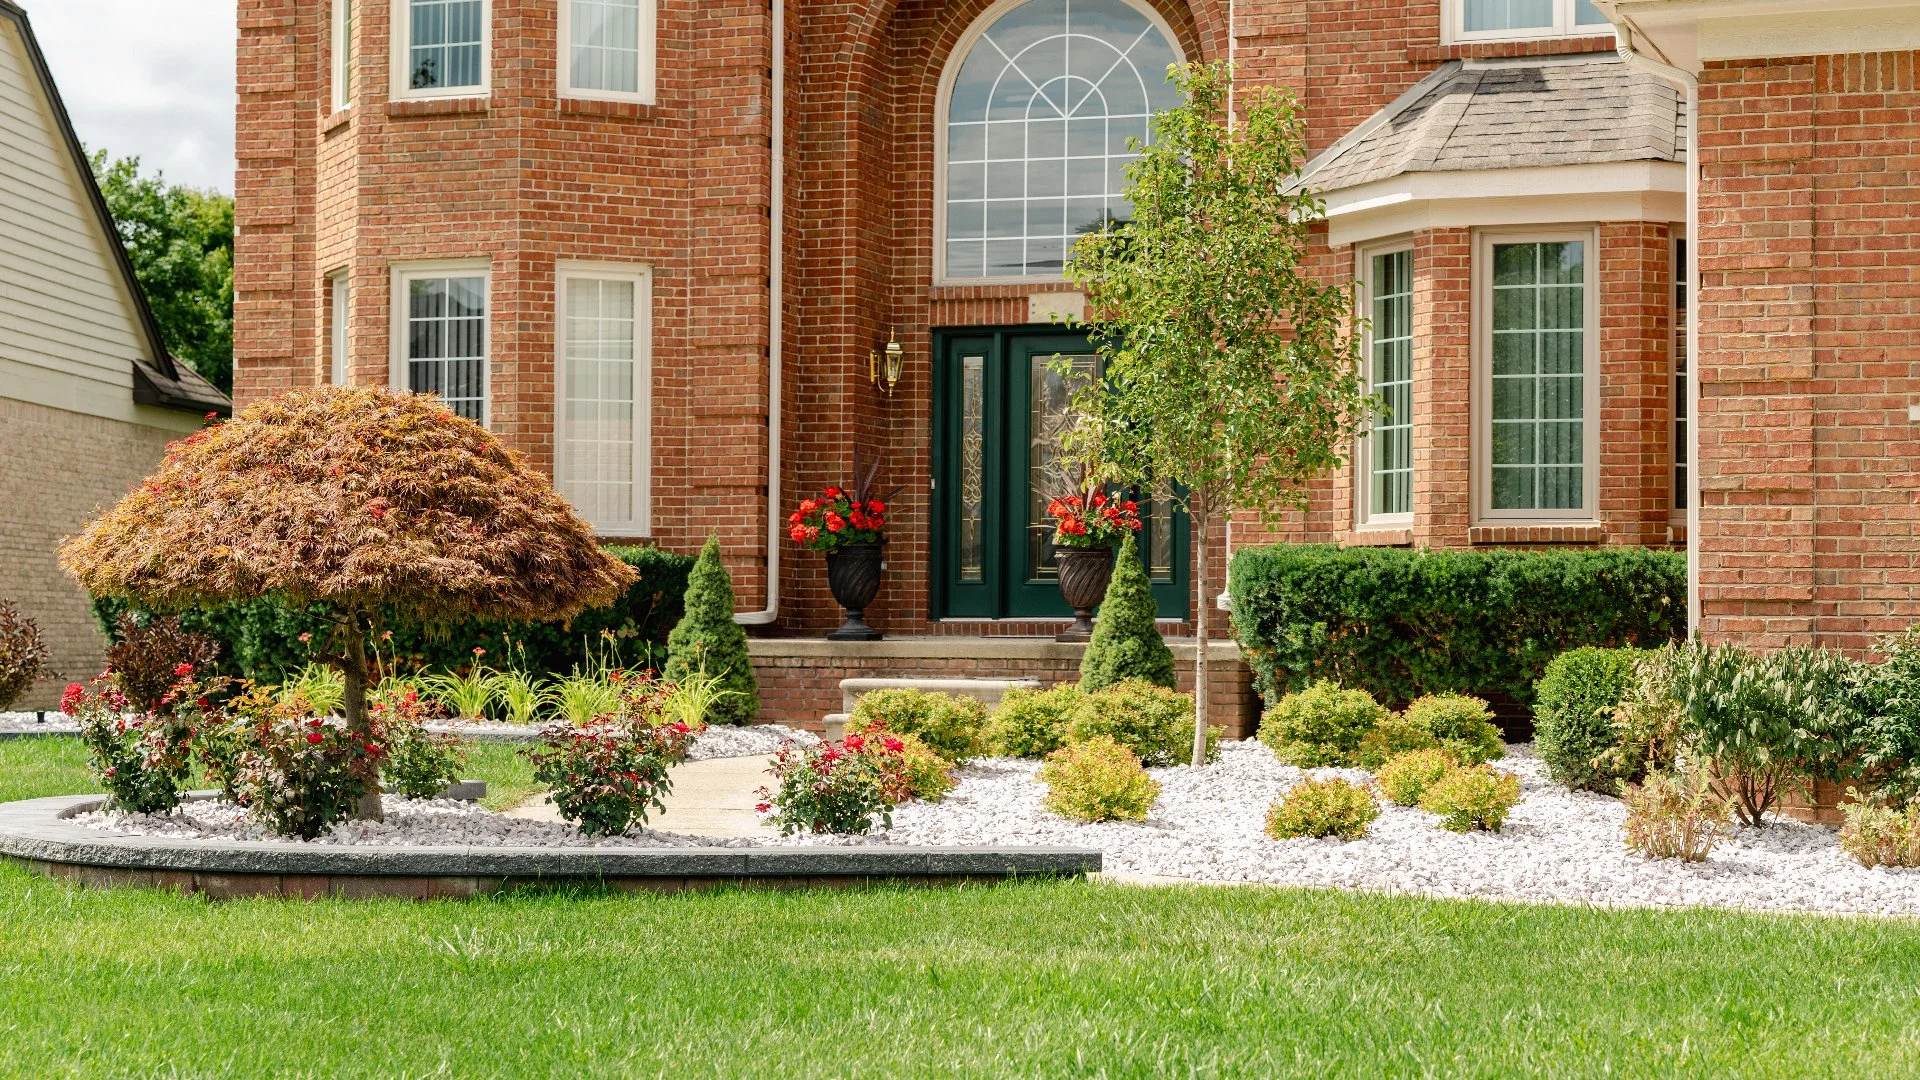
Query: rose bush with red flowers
{"points": [[1094, 520], [836, 519], [605, 776], [297, 774], [142, 757], [419, 764], [837, 787]]}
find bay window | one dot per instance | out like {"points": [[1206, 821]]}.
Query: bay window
{"points": [[606, 49], [440, 48]]}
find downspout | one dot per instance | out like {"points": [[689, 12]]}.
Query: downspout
{"points": [[776, 287], [1225, 600], [1626, 32]]}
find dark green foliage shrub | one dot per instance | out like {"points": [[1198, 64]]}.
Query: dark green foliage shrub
{"points": [[1887, 697], [1152, 721], [953, 727], [1573, 721], [1126, 644], [1462, 724], [1032, 723], [1321, 726], [707, 640], [419, 764], [1403, 623], [1322, 808], [260, 639]]}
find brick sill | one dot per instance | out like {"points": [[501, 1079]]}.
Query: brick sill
{"points": [[1490, 50], [335, 122], [1380, 538], [437, 106], [608, 110], [1537, 534]]}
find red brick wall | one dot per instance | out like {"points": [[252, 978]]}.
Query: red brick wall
{"points": [[1808, 462]]}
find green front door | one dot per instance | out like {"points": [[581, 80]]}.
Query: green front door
{"points": [[999, 409]]}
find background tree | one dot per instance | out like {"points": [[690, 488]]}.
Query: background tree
{"points": [[1230, 370], [708, 640], [1126, 644], [357, 504], [180, 241]]}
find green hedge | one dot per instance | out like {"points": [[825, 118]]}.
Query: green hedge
{"points": [[1402, 623], [260, 639]]}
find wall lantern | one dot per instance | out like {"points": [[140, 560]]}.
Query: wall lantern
{"points": [[885, 373]]}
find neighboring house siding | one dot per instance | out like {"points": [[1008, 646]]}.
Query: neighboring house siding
{"points": [[70, 329]]}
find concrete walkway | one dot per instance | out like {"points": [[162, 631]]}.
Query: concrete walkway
{"points": [[714, 797]]}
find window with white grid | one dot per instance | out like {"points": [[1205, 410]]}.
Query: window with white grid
{"points": [[1514, 20], [441, 336], [1387, 453], [341, 61], [441, 47], [1538, 310], [607, 49], [1039, 115], [603, 397], [339, 323]]}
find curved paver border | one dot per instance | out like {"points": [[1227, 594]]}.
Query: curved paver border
{"points": [[38, 833]]}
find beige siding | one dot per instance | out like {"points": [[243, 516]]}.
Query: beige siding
{"points": [[68, 330]]}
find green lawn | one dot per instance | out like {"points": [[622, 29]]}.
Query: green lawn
{"points": [[1029, 979]]}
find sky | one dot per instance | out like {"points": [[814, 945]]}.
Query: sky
{"points": [[147, 78]]}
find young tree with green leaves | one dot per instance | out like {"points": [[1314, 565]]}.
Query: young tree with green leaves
{"points": [[1230, 370], [180, 241]]}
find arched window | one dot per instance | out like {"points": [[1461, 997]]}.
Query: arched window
{"points": [[1038, 114]]}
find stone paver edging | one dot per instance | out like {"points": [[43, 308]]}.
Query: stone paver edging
{"points": [[36, 832]]}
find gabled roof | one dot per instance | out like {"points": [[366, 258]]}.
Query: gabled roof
{"points": [[158, 377], [1510, 114]]}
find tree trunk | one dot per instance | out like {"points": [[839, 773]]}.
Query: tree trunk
{"points": [[1202, 512], [358, 724]]}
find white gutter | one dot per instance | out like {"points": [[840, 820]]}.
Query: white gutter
{"points": [[1626, 31], [776, 287], [1224, 601]]}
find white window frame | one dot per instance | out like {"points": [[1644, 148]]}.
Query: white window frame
{"points": [[641, 275], [340, 55], [649, 36], [1363, 515], [400, 87], [1482, 397], [398, 310], [1453, 25], [339, 328], [962, 49]]}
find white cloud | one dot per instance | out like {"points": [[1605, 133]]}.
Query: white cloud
{"points": [[152, 78]]}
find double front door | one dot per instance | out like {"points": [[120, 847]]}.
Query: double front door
{"points": [[1001, 402]]}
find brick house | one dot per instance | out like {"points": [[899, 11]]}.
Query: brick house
{"points": [[658, 244], [89, 396]]}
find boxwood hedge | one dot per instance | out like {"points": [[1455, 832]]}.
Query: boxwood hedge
{"points": [[260, 639], [1402, 623]]}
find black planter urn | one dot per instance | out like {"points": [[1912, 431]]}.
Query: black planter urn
{"points": [[853, 573], [1084, 573]]}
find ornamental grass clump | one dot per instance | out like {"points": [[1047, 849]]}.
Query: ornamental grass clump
{"points": [[1405, 778], [1461, 724], [607, 775], [1472, 797], [1320, 726], [1155, 723], [1322, 808], [1879, 835], [356, 505], [23, 654], [1032, 723], [1098, 779], [466, 694], [1573, 717], [953, 726], [835, 787], [1676, 817]]}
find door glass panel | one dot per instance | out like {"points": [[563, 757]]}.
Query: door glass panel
{"points": [[1048, 476], [973, 459], [1160, 533]]}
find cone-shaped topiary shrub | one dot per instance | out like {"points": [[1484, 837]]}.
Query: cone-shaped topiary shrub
{"points": [[1126, 644], [708, 640]]}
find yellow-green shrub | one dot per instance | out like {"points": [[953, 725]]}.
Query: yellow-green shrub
{"points": [[1877, 835], [929, 776], [952, 726], [1098, 780], [1389, 739], [1032, 723], [1462, 724], [1406, 777], [1318, 808], [1677, 817], [1152, 721], [1321, 725], [1472, 797]]}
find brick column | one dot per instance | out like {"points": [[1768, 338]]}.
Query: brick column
{"points": [[1442, 387]]}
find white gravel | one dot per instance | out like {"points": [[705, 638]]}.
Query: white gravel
{"points": [[1557, 845], [409, 823], [48, 723]]}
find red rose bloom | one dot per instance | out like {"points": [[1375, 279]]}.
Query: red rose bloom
{"points": [[314, 737]]}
